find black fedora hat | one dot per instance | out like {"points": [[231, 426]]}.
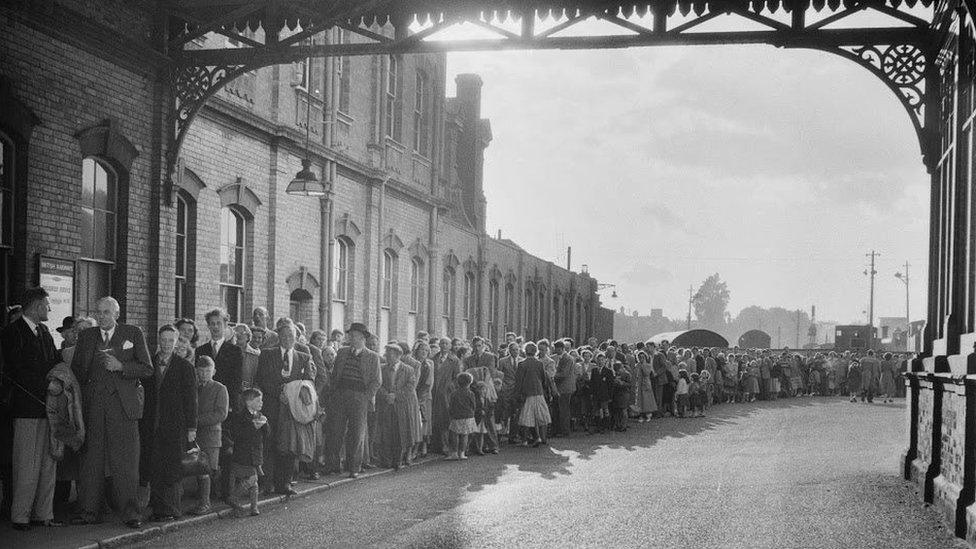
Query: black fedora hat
{"points": [[358, 327], [66, 324]]}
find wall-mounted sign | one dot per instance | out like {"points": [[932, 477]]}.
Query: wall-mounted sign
{"points": [[57, 276]]}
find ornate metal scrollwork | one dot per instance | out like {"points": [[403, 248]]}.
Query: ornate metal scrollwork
{"points": [[193, 86], [902, 68]]}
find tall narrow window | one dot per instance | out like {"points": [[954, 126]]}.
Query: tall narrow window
{"points": [[6, 221], [509, 307], [557, 329], [387, 298], [421, 116], [416, 284], [470, 304], [541, 314], [389, 265], [184, 252], [99, 201], [394, 118], [232, 263], [341, 252], [344, 75], [416, 295], [492, 311], [527, 307], [447, 303]]}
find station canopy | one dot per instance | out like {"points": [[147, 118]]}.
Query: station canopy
{"points": [[692, 338], [293, 14]]}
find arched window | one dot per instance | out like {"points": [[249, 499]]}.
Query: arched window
{"points": [[99, 227], [585, 323], [340, 269], [557, 329], [492, 311], [185, 254], [387, 297], [301, 306], [416, 295], [6, 220], [541, 314], [389, 269], [470, 304], [232, 235], [447, 303], [341, 257], [509, 307], [568, 317], [527, 309]]}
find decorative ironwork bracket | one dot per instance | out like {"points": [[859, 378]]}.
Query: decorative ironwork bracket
{"points": [[902, 67]]}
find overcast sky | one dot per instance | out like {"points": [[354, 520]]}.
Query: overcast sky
{"points": [[777, 169]]}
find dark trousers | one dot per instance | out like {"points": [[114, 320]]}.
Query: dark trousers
{"points": [[165, 498], [111, 439], [284, 471], [667, 398], [491, 436], [346, 428], [564, 405]]}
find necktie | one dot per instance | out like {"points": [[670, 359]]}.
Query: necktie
{"points": [[104, 336]]}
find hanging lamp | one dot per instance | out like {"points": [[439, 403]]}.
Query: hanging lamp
{"points": [[305, 182]]}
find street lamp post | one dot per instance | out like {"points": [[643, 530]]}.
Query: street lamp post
{"points": [[908, 317]]}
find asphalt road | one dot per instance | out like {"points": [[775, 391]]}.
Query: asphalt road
{"points": [[812, 472]]}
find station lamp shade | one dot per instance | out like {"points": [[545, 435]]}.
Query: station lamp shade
{"points": [[306, 183]]}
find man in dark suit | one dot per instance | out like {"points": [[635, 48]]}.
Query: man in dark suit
{"points": [[171, 407], [228, 357], [109, 361], [277, 367], [355, 379], [29, 354], [565, 379], [508, 365]]}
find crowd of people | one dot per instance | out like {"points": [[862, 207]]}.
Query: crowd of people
{"points": [[103, 424]]}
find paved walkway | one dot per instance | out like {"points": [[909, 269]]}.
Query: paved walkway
{"points": [[814, 472]]}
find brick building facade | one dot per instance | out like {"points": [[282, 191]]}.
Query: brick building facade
{"points": [[400, 243]]}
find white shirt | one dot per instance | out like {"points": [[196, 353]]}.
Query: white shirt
{"points": [[288, 359], [107, 334], [216, 346], [30, 324]]}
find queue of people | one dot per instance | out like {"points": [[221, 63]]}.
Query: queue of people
{"points": [[104, 424]]}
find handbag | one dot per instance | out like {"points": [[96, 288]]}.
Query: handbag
{"points": [[193, 463]]}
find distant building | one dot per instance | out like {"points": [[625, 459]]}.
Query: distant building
{"points": [[633, 327], [854, 337]]}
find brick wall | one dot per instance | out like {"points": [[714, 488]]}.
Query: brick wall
{"points": [[71, 89]]}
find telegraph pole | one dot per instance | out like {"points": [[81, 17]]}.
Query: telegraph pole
{"points": [[871, 273], [691, 291], [908, 316]]}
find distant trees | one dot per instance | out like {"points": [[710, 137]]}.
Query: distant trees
{"points": [[710, 303]]}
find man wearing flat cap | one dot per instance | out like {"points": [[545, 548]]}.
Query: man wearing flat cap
{"points": [[355, 378]]}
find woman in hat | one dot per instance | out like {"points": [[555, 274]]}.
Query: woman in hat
{"points": [[397, 409], [425, 384]]}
